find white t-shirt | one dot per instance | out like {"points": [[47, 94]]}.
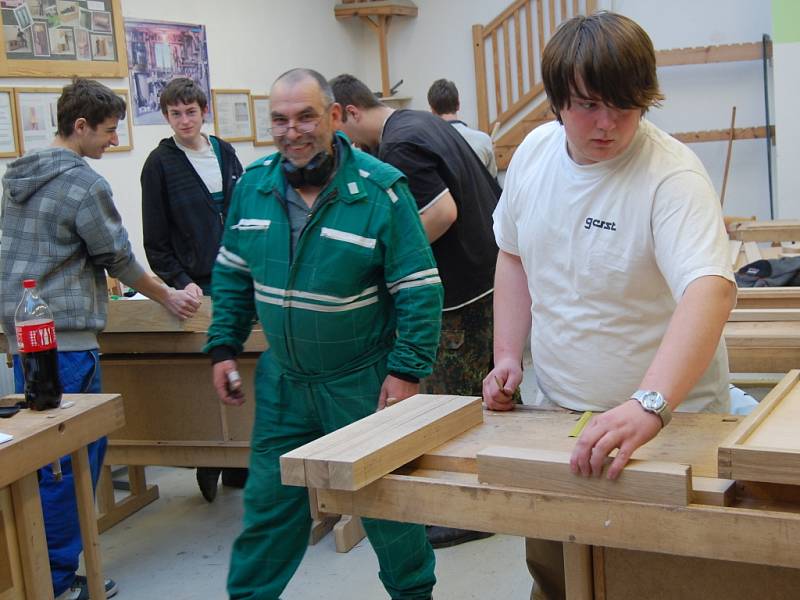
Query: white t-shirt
{"points": [[608, 250], [206, 164], [481, 143]]}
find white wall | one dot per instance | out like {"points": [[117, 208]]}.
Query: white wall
{"points": [[253, 41]]}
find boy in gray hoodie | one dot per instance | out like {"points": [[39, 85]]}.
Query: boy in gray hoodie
{"points": [[60, 227]]}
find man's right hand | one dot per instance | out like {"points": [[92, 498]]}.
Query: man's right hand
{"points": [[500, 384], [181, 303], [229, 389]]}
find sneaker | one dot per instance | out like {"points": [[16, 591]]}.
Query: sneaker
{"points": [[79, 590]]}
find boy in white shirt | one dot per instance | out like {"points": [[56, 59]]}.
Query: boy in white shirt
{"points": [[187, 184], [613, 254]]}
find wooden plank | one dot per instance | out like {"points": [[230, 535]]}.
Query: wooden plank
{"points": [[777, 297], [12, 582], [507, 62], [712, 491], [779, 230], [481, 91], [548, 470], [460, 500], [760, 334], [721, 135], [134, 316], [752, 359], [364, 451], [765, 314], [599, 572], [709, 54], [198, 453], [578, 573], [765, 446], [403, 8], [518, 44], [348, 532]]}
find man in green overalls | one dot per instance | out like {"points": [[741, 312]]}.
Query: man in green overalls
{"points": [[324, 244]]}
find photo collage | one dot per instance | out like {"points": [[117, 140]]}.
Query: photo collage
{"points": [[58, 30]]}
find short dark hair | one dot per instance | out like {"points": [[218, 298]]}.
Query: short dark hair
{"points": [[88, 99], [182, 90], [612, 57], [349, 90], [443, 97], [297, 74]]}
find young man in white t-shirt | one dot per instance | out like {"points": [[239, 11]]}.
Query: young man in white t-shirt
{"points": [[613, 254], [187, 184]]}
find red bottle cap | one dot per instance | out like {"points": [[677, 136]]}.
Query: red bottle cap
{"points": [[29, 283]]}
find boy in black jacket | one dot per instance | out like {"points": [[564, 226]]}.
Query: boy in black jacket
{"points": [[187, 184]]}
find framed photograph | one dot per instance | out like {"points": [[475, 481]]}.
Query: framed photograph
{"points": [[23, 16], [157, 53], [83, 45], [36, 117], [124, 131], [259, 107], [101, 21], [102, 46], [40, 38], [9, 147], [232, 119]]}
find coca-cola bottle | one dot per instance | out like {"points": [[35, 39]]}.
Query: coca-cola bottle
{"points": [[36, 338]]}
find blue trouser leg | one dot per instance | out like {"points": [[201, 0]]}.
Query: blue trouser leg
{"points": [[277, 521], [80, 373]]}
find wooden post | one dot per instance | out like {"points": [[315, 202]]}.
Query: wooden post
{"points": [[578, 571], [481, 92], [383, 30], [30, 535], [728, 158], [86, 516]]}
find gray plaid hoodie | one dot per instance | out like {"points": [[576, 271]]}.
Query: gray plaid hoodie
{"points": [[60, 227]]}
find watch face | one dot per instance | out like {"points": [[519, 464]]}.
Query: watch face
{"points": [[653, 401]]}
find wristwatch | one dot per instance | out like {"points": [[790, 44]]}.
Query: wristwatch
{"points": [[654, 402]]}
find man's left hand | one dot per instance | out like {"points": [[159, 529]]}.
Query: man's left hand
{"points": [[396, 389], [625, 427]]}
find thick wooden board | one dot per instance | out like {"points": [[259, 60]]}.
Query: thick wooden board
{"points": [[776, 297], [785, 230], [356, 455], [692, 440], [766, 445], [548, 470], [134, 316]]}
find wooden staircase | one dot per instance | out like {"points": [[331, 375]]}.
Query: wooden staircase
{"points": [[508, 53]]}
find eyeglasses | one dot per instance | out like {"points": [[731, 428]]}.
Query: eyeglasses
{"points": [[301, 127], [305, 124]]}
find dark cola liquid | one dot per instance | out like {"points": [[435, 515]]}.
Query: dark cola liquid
{"points": [[42, 384]]}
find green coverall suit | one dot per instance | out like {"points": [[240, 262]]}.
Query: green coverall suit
{"points": [[359, 297]]}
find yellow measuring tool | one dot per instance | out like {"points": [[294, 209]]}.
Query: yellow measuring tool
{"points": [[576, 431]]}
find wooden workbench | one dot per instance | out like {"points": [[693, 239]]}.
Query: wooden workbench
{"points": [[174, 415], [615, 549], [39, 439]]}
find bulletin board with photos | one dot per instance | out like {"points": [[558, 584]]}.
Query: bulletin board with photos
{"points": [[58, 38]]}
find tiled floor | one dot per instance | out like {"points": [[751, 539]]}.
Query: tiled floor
{"points": [[178, 548]]}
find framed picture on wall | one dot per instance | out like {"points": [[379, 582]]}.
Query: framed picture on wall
{"points": [[232, 119], [9, 146], [63, 38], [37, 120], [124, 131], [259, 107]]}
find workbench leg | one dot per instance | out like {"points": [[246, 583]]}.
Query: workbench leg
{"points": [[30, 536], [321, 523], [112, 512], [599, 569], [348, 532], [578, 571], [84, 495]]}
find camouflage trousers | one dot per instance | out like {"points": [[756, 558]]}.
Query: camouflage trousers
{"points": [[465, 351]]}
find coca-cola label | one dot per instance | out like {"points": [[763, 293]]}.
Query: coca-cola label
{"points": [[36, 336]]}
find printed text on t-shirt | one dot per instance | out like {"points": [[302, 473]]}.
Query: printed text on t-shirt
{"points": [[590, 222]]}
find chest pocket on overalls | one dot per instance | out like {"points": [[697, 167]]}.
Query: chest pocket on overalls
{"points": [[344, 259]]}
